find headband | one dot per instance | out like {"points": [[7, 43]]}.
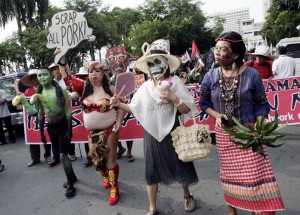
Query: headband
{"points": [[228, 40]]}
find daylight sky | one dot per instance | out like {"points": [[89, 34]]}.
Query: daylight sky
{"points": [[208, 7]]}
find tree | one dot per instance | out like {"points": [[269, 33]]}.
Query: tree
{"points": [[282, 20], [180, 21]]}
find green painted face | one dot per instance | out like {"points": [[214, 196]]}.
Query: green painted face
{"points": [[44, 77]]}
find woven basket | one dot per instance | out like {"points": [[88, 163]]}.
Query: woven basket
{"points": [[193, 142]]}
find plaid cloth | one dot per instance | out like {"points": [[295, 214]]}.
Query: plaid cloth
{"points": [[247, 178]]}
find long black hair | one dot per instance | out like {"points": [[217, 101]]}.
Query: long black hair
{"points": [[88, 89], [237, 45], [58, 90]]}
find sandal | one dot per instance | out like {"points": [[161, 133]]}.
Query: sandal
{"points": [[130, 158], [120, 153], [152, 213], [189, 201], [1, 167], [72, 157]]}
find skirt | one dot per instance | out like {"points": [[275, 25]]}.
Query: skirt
{"points": [[163, 165], [247, 178]]}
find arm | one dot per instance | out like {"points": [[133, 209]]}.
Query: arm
{"points": [[3, 97], [181, 106], [68, 115], [206, 104], [21, 99], [41, 120]]}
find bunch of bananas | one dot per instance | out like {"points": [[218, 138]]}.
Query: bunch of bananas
{"points": [[247, 136]]}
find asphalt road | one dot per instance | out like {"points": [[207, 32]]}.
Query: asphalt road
{"points": [[38, 190]]}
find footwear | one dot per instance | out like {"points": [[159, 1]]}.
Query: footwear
{"points": [[53, 162], [120, 153], [1, 167], [73, 157], [12, 141], [33, 162], [70, 191], [130, 158], [105, 182], [189, 203], [3, 143], [66, 184], [87, 163], [113, 175], [48, 159], [152, 213]]}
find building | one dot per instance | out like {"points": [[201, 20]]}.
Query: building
{"points": [[266, 5], [233, 19], [251, 33]]}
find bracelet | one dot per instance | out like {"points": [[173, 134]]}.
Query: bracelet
{"points": [[180, 103]]}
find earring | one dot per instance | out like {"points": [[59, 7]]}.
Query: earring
{"points": [[233, 66]]}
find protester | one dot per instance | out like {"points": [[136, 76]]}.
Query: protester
{"points": [[284, 66], [117, 61], [30, 81], [262, 62], [102, 123], [83, 74], [6, 119], [54, 103], [233, 90], [158, 120], [58, 78]]}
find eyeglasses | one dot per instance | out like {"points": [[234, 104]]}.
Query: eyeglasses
{"points": [[113, 59], [223, 50]]}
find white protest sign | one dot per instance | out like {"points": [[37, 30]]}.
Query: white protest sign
{"points": [[68, 29]]}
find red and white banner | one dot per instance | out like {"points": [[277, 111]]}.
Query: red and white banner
{"points": [[283, 95]]}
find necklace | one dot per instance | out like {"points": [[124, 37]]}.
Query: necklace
{"points": [[227, 85]]}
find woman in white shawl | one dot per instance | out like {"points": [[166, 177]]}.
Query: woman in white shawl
{"points": [[159, 116]]}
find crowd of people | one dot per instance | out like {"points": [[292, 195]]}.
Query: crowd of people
{"points": [[230, 87]]}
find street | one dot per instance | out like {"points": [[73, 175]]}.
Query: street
{"points": [[38, 190]]}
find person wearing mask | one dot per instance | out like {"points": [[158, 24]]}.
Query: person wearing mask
{"points": [[159, 119], [30, 81]]}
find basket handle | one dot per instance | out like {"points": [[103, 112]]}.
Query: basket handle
{"points": [[181, 119]]}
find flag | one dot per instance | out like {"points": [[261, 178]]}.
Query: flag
{"points": [[194, 49], [187, 56], [271, 49]]}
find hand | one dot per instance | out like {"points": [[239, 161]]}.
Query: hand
{"points": [[62, 60], [115, 101], [166, 94], [219, 118], [43, 138], [69, 135], [117, 126]]}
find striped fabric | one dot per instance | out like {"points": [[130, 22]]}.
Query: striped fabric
{"points": [[247, 178]]}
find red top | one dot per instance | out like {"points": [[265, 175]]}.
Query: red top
{"points": [[102, 105], [265, 70]]}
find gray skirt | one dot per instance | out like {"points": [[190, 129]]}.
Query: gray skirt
{"points": [[163, 165]]}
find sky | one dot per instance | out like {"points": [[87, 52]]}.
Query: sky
{"points": [[208, 7]]}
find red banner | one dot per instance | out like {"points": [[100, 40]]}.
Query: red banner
{"points": [[283, 95]]}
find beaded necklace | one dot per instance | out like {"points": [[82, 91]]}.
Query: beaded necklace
{"points": [[227, 85]]}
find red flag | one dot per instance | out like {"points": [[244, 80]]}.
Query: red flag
{"points": [[194, 48]]}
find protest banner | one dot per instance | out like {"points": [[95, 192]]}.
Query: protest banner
{"points": [[283, 95], [68, 29]]}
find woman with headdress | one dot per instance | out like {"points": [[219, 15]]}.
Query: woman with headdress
{"points": [[159, 119], [233, 90], [102, 122]]}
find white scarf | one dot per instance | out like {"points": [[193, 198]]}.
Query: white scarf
{"points": [[158, 119]]}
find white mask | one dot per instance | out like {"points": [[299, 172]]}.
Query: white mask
{"points": [[158, 66]]}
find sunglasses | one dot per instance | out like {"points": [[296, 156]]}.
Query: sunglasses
{"points": [[113, 59]]}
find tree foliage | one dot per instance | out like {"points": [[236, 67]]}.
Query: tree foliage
{"points": [[180, 21], [282, 21]]}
